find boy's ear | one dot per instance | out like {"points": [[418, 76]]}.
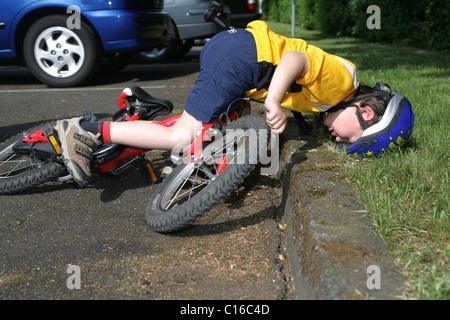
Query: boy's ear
{"points": [[367, 113]]}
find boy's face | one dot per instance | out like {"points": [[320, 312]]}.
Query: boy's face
{"points": [[344, 125]]}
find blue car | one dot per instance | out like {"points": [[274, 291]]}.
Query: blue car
{"points": [[63, 42]]}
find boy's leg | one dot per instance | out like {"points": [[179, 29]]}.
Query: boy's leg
{"points": [[148, 135], [77, 144]]}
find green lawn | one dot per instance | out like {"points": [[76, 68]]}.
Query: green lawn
{"points": [[406, 191]]}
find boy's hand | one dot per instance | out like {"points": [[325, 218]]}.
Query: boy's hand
{"points": [[293, 65], [275, 116]]}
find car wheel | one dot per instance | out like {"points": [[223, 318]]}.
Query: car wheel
{"points": [[168, 50], [59, 56], [158, 54], [115, 62], [184, 46]]}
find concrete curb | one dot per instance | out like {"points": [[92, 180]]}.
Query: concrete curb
{"points": [[330, 245]]}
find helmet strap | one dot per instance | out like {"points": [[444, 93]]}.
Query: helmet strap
{"points": [[361, 120], [383, 91], [352, 101]]}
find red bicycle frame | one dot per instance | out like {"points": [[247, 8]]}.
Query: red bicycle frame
{"points": [[195, 150], [196, 146]]}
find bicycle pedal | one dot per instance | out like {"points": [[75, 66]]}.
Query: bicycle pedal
{"points": [[148, 172], [50, 135], [168, 168]]}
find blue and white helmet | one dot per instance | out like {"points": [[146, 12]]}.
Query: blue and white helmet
{"points": [[392, 130]]}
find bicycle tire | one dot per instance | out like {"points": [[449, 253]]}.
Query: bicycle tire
{"points": [[24, 180], [162, 219]]}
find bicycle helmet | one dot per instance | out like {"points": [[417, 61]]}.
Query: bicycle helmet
{"points": [[392, 130]]}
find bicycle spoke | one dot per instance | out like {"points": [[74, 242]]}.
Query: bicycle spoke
{"points": [[17, 163], [189, 190], [205, 172], [218, 157], [193, 183], [176, 195], [208, 172]]}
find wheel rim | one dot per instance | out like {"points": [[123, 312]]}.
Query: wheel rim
{"points": [[12, 164], [59, 52], [155, 53], [196, 176]]}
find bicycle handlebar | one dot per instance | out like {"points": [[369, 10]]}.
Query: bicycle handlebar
{"points": [[211, 15], [122, 98], [122, 104]]}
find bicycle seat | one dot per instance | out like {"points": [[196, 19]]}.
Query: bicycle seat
{"points": [[158, 106]]}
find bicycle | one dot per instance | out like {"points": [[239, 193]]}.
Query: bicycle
{"points": [[218, 160], [208, 171]]}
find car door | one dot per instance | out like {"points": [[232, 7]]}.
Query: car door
{"points": [[6, 14], [9, 11]]}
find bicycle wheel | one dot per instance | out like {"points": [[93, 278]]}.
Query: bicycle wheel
{"points": [[194, 188], [22, 171]]}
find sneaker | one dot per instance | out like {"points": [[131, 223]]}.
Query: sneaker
{"points": [[77, 146]]}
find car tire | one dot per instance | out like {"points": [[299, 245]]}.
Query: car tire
{"points": [[115, 62], [165, 51], [68, 62], [173, 48], [171, 51], [159, 54]]}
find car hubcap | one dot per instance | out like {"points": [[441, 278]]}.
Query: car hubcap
{"points": [[59, 52], [155, 53]]}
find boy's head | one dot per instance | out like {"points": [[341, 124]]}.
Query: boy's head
{"points": [[377, 104], [348, 121], [373, 121]]}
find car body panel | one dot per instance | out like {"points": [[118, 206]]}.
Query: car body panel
{"points": [[188, 18], [242, 12], [119, 27]]}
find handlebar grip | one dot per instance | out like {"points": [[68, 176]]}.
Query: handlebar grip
{"points": [[122, 98], [211, 15], [134, 117]]}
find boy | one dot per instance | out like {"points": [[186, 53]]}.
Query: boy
{"points": [[285, 73]]}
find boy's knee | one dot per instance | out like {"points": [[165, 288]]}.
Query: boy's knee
{"points": [[180, 138]]}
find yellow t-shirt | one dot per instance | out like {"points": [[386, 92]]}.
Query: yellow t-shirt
{"points": [[330, 79]]}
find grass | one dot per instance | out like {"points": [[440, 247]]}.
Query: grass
{"points": [[405, 191]]}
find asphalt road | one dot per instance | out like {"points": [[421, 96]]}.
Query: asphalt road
{"points": [[59, 241]]}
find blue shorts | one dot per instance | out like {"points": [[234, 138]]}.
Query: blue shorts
{"points": [[228, 68]]}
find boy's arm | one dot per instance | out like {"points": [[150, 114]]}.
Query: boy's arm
{"points": [[293, 65]]}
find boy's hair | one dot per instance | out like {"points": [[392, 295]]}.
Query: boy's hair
{"points": [[377, 104]]}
